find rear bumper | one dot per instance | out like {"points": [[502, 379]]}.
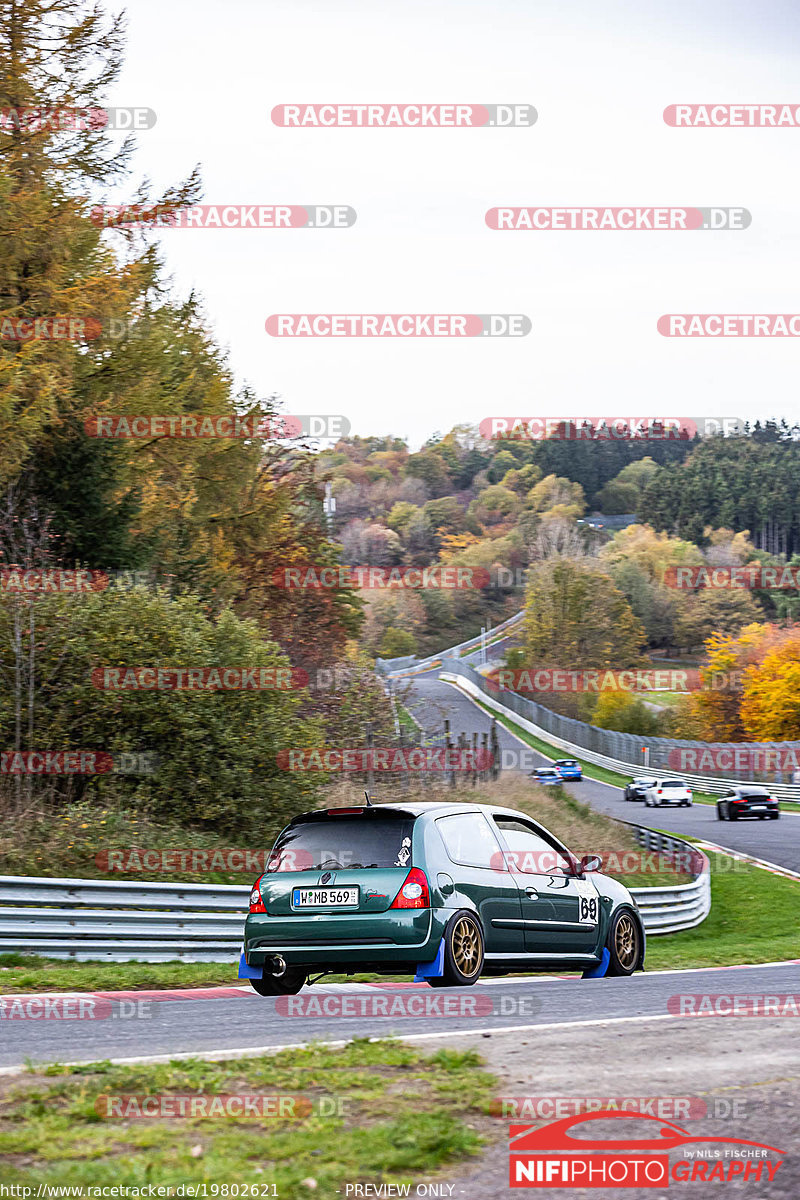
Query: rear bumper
{"points": [[396, 936]]}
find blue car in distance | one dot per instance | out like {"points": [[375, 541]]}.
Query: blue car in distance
{"points": [[568, 768], [547, 776]]}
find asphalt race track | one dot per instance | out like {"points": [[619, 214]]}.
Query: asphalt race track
{"points": [[431, 700], [216, 1020]]}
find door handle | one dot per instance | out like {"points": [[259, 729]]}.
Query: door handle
{"points": [[532, 892]]}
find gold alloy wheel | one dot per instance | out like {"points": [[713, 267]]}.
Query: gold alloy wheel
{"points": [[467, 947], [626, 942]]}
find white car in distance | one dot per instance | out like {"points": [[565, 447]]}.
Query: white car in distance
{"points": [[669, 791]]}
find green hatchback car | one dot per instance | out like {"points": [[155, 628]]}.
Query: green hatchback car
{"points": [[449, 892]]}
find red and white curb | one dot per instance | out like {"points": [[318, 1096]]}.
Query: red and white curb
{"points": [[244, 992], [763, 863]]}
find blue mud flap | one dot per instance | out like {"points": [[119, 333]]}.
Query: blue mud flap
{"points": [[246, 972], [599, 971], [431, 970]]}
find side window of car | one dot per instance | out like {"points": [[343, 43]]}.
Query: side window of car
{"points": [[528, 852], [469, 840]]}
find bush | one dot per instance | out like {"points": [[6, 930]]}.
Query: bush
{"points": [[216, 750], [396, 643], [624, 713]]}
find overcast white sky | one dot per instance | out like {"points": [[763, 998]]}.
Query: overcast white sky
{"points": [[600, 76]]}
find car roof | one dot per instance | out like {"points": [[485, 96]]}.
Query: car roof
{"points": [[418, 809], [757, 789]]}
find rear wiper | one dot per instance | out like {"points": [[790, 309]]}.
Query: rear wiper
{"points": [[332, 862]]}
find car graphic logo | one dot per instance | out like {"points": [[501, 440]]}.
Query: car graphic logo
{"points": [[551, 1156], [326, 878]]}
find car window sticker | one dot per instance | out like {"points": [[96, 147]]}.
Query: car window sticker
{"points": [[404, 853]]}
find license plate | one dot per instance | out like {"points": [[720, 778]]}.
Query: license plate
{"points": [[758, 806], [325, 897]]}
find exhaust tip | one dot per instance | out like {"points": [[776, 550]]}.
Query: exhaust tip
{"points": [[278, 965]]}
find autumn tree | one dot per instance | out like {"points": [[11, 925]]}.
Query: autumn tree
{"points": [[575, 617], [717, 706], [770, 703]]}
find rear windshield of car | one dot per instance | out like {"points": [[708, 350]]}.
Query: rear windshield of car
{"points": [[339, 843], [754, 795], [566, 762], [673, 783]]}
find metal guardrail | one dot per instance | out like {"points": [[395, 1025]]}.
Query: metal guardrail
{"points": [[551, 727], [397, 667], [90, 919], [681, 906]]}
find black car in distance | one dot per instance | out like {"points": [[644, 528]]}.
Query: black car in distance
{"points": [[747, 800], [636, 789]]}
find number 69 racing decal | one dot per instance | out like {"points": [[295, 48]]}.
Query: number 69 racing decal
{"points": [[588, 902]]}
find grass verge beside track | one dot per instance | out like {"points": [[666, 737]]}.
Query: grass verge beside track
{"points": [[753, 919], [399, 1116]]}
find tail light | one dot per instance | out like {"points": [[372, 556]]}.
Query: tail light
{"points": [[659, 791], [414, 893], [256, 903], [740, 799]]}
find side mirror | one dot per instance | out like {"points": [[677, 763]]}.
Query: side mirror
{"points": [[591, 862]]}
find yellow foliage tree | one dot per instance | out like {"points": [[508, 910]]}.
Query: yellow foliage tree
{"points": [[770, 706]]}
